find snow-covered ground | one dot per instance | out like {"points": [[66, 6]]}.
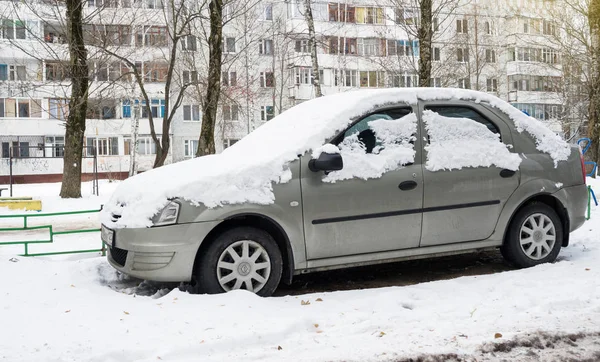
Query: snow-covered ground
{"points": [[80, 309]]}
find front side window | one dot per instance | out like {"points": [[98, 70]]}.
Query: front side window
{"points": [[378, 143]]}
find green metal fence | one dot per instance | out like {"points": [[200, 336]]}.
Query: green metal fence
{"points": [[52, 233]]}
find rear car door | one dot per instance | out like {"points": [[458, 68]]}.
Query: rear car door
{"points": [[351, 215], [463, 193]]}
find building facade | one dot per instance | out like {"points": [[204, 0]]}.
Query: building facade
{"points": [[509, 50]]}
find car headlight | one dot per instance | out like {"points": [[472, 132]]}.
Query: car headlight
{"points": [[168, 215]]}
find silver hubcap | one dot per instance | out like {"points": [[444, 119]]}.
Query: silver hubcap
{"points": [[537, 236], [245, 264]]}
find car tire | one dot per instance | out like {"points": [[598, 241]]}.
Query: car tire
{"points": [[240, 258], [534, 236]]}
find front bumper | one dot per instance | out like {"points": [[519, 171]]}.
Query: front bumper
{"points": [[165, 253]]}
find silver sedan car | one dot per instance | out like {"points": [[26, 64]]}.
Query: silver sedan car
{"points": [[427, 175]]}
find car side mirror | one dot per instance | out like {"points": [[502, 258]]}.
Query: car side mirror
{"points": [[326, 162]]}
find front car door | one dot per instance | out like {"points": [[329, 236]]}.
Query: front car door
{"points": [[469, 171], [356, 210]]}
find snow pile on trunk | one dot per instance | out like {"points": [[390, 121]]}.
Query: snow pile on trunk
{"points": [[394, 151], [245, 172], [461, 142]]}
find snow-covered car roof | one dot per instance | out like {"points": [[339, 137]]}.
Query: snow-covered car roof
{"points": [[245, 172]]}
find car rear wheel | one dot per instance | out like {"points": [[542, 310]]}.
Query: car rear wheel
{"points": [[240, 258], [535, 236]]}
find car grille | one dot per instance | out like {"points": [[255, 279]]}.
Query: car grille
{"points": [[119, 256]]}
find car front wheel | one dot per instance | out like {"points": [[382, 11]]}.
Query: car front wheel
{"points": [[240, 258], [535, 236]]}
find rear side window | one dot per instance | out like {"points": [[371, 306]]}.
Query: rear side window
{"points": [[464, 112]]}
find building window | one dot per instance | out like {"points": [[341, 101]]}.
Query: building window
{"points": [[19, 149], [267, 80], [58, 108], [464, 83], [346, 78], [303, 75], [190, 76], [531, 26], [155, 72], [462, 26], [54, 146], [267, 113], [13, 29], [550, 56], [371, 79], [267, 13], [230, 112], [490, 56], [265, 47], [302, 46], [344, 13], [189, 43], [492, 85], [403, 80], [408, 16], [101, 110], [436, 54], [229, 142], [13, 72], [436, 24], [154, 36], [435, 82], [56, 71], [229, 45], [191, 112], [157, 107], [549, 28], [488, 28], [146, 146], [403, 48], [370, 46], [462, 55], [542, 112], [20, 108], [190, 147], [534, 83], [104, 146], [369, 15], [229, 79]]}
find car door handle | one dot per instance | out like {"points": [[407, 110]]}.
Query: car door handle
{"points": [[407, 185], [507, 173]]}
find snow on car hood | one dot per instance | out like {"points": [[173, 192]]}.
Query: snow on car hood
{"points": [[245, 172]]}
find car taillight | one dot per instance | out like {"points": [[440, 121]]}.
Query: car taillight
{"points": [[582, 166]]}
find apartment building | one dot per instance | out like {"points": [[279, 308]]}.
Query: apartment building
{"points": [[506, 50]]}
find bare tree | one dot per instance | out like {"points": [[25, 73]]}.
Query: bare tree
{"points": [[420, 18], [75, 127], [206, 143], [313, 45], [594, 80]]}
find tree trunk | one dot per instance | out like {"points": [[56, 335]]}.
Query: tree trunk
{"points": [[594, 106], [75, 127], [206, 143], [313, 48], [425, 34]]}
